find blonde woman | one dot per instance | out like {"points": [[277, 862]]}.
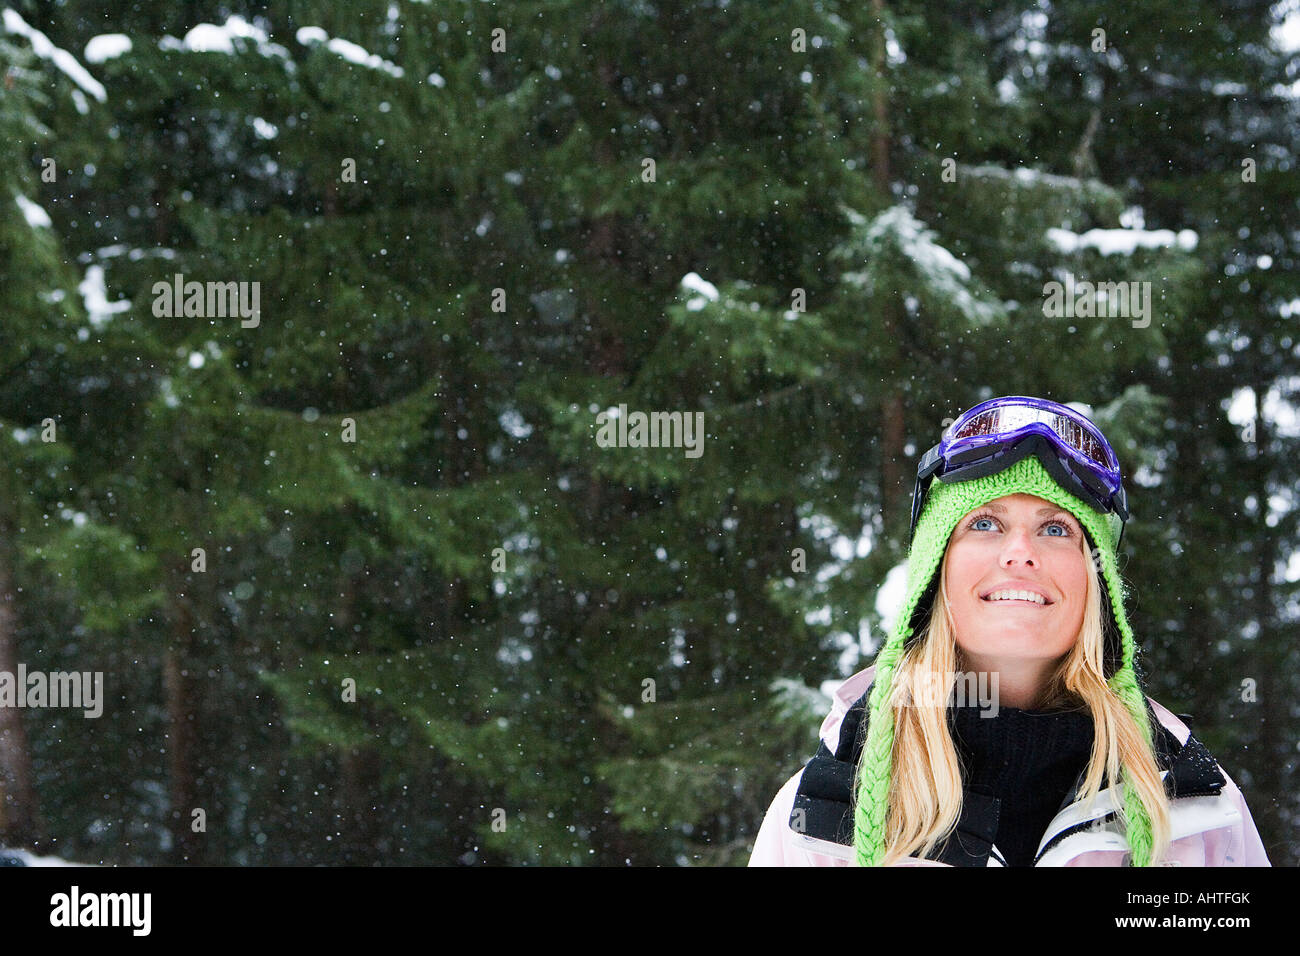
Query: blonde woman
{"points": [[1003, 722]]}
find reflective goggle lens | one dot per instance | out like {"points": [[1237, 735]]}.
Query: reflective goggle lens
{"points": [[1008, 418]]}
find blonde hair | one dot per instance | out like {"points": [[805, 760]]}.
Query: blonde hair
{"points": [[925, 787]]}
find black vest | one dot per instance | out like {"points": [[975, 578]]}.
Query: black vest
{"points": [[823, 803]]}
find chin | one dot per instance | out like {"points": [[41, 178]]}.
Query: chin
{"points": [[1021, 646]]}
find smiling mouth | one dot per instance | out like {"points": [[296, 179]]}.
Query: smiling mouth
{"points": [[1017, 596]]}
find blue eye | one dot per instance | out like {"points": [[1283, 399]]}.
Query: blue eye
{"points": [[1066, 530]]}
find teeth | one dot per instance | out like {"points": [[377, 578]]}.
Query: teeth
{"points": [[1016, 596]]}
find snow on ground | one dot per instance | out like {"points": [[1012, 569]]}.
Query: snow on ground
{"points": [[61, 58]]}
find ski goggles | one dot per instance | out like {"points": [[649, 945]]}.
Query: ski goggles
{"points": [[996, 434]]}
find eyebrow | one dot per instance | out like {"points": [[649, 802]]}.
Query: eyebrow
{"points": [[1001, 509]]}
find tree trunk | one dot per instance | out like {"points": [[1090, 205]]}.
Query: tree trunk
{"points": [[893, 426], [178, 690], [20, 821], [359, 768], [1273, 692]]}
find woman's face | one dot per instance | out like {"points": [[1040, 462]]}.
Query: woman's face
{"points": [[1017, 543]]}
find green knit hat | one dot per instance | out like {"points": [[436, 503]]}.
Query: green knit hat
{"points": [[947, 503]]}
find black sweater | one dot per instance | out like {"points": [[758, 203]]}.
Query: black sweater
{"points": [[1028, 759]]}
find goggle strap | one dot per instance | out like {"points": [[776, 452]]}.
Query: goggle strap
{"points": [[1120, 502], [930, 462]]}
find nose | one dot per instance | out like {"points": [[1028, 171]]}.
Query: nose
{"points": [[1018, 545]]}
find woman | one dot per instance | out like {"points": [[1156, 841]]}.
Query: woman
{"points": [[1013, 597]]}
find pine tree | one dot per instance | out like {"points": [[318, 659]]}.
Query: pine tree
{"points": [[434, 619]]}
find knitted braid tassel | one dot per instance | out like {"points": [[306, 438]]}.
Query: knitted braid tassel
{"points": [[946, 505]]}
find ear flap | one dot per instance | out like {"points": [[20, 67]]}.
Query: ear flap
{"points": [[921, 615], [1112, 643]]}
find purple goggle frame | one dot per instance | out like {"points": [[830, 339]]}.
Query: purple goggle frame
{"points": [[996, 434]]}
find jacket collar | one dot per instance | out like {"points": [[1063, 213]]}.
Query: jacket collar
{"points": [[823, 804]]}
